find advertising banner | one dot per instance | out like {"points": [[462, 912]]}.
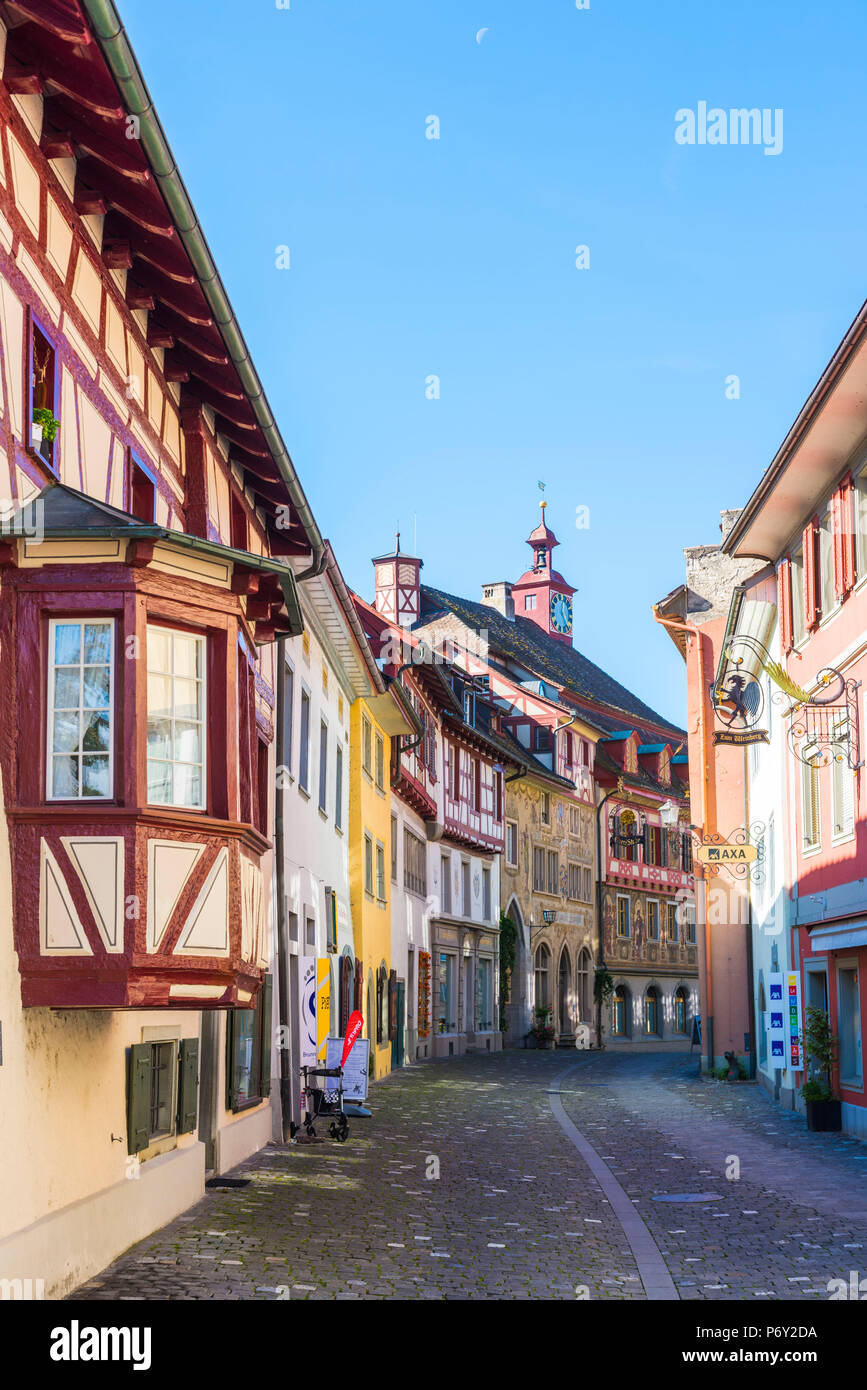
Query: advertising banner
{"points": [[776, 1021], [315, 1008], [793, 1020]]}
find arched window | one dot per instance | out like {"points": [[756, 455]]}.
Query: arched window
{"points": [[681, 1009], [620, 1012], [543, 977], [583, 986], [651, 1010]]}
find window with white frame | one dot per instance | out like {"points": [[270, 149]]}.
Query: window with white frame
{"points": [[80, 702], [826, 565], [176, 718], [798, 612], [810, 818], [512, 843], [842, 789]]}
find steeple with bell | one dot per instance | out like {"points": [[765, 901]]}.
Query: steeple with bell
{"points": [[542, 594]]}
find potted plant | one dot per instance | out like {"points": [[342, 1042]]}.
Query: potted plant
{"points": [[45, 426], [543, 1028], [824, 1110]]}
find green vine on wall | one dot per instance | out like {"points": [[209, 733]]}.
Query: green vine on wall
{"points": [[508, 956]]}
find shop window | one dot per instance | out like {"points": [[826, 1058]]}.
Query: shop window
{"points": [[44, 420], [142, 490], [849, 1026], [484, 996], [175, 718], [80, 703], [248, 1052], [681, 1010], [445, 1007]]}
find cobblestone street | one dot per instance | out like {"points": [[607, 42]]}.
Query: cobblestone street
{"points": [[518, 1211]]}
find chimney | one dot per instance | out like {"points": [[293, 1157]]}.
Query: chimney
{"points": [[728, 519], [499, 596]]}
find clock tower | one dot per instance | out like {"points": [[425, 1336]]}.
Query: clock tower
{"points": [[542, 595]]}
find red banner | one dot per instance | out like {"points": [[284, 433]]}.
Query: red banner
{"points": [[353, 1029]]}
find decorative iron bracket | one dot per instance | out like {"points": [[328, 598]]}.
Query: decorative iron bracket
{"points": [[718, 854], [825, 730]]}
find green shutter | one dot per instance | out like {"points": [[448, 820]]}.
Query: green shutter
{"points": [[230, 1060], [138, 1097], [188, 1086], [265, 1040]]}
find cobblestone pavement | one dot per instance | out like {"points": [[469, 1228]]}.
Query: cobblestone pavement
{"points": [[515, 1211]]}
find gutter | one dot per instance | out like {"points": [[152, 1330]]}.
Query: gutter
{"points": [[123, 65]]}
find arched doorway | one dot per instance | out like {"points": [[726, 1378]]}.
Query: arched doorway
{"points": [[564, 995]]}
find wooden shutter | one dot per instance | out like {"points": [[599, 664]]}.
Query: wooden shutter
{"points": [[188, 1085], [138, 1097], [359, 986], [846, 520], [646, 844], [392, 1005], [230, 1060], [812, 610], [784, 603], [835, 519], [265, 1012]]}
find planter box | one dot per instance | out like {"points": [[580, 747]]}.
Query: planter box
{"points": [[824, 1116]]}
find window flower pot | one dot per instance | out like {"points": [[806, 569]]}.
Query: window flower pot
{"points": [[824, 1116]]}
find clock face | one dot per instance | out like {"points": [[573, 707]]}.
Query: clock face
{"points": [[561, 613]]}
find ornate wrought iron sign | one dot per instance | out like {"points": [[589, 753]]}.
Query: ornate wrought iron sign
{"points": [[741, 854], [823, 724]]}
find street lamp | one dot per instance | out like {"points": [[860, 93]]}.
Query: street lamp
{"points": [[548, 916]]}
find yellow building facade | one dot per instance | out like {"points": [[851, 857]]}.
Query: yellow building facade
{"points": [[373, 724]]}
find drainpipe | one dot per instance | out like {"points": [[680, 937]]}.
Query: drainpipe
{"points": [[284, 1032], [600, 939], [692, 631]]}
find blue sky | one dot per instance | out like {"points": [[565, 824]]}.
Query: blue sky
{"points": [[305, 127]]}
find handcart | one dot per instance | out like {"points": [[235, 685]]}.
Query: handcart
{"points": [[323, 1100]]}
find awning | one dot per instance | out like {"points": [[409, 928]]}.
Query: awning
{"points": [[842, 936]]}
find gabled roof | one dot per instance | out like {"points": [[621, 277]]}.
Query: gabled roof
{"points": [[524, 643]]}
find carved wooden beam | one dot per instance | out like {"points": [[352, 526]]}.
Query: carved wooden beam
{"points": [[117, 255]]}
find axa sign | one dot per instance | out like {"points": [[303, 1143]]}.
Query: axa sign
{"points": [[726, 854]]}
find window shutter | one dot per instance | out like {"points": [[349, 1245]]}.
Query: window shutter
{"points": [[835, 511], [359, 986], [138, 1097], [784, 603], [846, 519], [188, 1086], [230, 1060], [812, 610], [646, 849], [265, 1010], [392, 1005]]}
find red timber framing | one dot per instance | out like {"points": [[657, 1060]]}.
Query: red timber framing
{"points": [[185, 925], [166, 500]]}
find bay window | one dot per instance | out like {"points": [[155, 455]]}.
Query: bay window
{"points": [[80, 702], [175, 718]]}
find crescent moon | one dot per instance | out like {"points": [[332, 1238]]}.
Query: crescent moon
{"points": [[480, 35]]}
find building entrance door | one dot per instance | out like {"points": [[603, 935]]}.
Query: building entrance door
{"points": [[564, 993]]}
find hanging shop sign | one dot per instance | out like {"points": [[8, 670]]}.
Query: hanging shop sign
{"points": [[741, 854], [739, 739], [315, 1008]]}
